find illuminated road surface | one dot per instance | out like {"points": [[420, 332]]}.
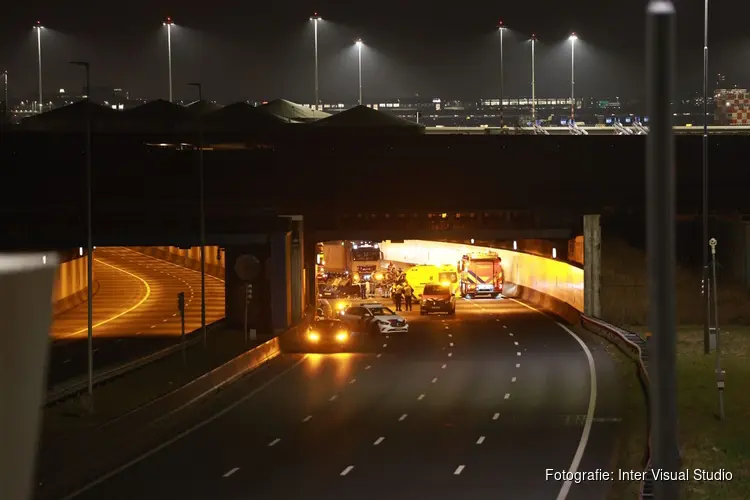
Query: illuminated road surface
{"points": [[471, 407], [135, 311]]}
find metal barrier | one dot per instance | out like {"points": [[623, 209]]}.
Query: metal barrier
{"points": [[633, 345]]}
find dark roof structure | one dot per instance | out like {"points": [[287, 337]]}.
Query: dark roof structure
{"points": [[240, 117], [159, 115], [71, 118], [293, 111], [362, 118], [199, 108]]}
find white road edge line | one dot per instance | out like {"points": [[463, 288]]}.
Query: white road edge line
{"points": [[181, 435], [459, 470], [230, 472], [378, 441], [347, 470], [592, 405]]}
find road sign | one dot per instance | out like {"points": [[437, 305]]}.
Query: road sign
{"points": [[247, 267]]}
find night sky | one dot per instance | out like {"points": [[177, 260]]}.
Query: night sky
{"points": [[414, 47]]}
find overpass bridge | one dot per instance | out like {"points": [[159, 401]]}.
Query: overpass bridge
{"points": [[618, 129]]}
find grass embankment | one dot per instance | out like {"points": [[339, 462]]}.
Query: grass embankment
{"points": [[706, 442], [631, 451], [144, 385]]}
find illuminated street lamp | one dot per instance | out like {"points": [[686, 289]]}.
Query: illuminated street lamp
{"points": [[501, 28], [704, 243], [169, 23], [315, 19], [38, 27], [533, 78], [359, 50], [573, 39]]}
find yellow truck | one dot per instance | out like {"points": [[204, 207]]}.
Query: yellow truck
{"points": [[423, 274]]}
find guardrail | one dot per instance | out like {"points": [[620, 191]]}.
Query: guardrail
{"points": [[634, 346], [78, 385]]}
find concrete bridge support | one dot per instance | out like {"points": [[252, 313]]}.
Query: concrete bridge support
{"points": [[592, 265]]}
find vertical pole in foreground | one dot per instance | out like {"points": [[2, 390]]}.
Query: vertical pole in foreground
{"points": [[317, 96], [169, 50], [39, 63], [660, 174], [707, 303], [502, 77], [90, 242], [533, 79], [720, 375]]}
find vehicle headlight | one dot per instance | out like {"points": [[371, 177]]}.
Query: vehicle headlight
{"points": [[341, 306], [342, 336], [313, 336]]}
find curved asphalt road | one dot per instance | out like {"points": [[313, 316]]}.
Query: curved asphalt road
{"points": [[471, 407], [135, 312]]}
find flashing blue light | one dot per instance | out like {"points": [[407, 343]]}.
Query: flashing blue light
{"points": [[609, 121], [563, 122], [645, 119], [628, 119]]}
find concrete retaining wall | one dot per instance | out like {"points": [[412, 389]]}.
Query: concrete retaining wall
{"points": [[70, 289], [190, 258]]}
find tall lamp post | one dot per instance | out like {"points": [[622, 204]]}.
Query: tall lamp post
{"points": [[501, 28], [704, 243], [533, 78], [202, 216], [169, 23], [38, 27], [89, 239], [315, 19], [359, 50], [6, 104], [573, 39]]}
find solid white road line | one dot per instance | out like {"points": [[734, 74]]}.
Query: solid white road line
{"points": [[274, 442], [459, 470], [592, 405], [347, 470], [307, 418], [181, 435], [495, 416], [378, 441], [507, 395], [230, 472], [402, 417], [480, 440], [434, 380], [421, 397]]}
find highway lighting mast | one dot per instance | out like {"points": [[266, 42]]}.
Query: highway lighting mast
{"points": [[169, 23], [315, 19], [89, 240], [573, 39], [533, 78], [38, 27], [660, 209], [501, 28], [359, 50], [202, 217], [706, 298]]}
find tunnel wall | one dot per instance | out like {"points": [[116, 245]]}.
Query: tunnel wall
{"points": [[70, 288], [191, 258], [550, 283]]}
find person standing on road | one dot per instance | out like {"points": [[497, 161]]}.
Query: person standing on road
{"points": [[408, 295], [397, 295]]}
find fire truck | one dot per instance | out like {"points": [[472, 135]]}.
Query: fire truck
{"points": [[481, 274]]}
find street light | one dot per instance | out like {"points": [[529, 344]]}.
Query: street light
{"points": [[5, 100], [89, 237], [533, 78], [704, 243], [202, 216], [169, 23], [359, 49], [38, 27], [315, 19], [573, 39], [501, 28]]}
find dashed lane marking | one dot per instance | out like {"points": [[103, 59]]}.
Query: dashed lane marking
{"points": [[307, 418], [459, 470], [434, 380], [402, 417], [378, 355], [347, 470], [513, 379], [230, 472], [507, 395], [352, 380], [274, 442], [495, 416], [332, 398], [450, 354], [518, 365], [378, 441], [385, 345], [444, 366], [518, 353], [368, 367], [515, 343], [451, 344], [480, 440], [421, 397]]}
